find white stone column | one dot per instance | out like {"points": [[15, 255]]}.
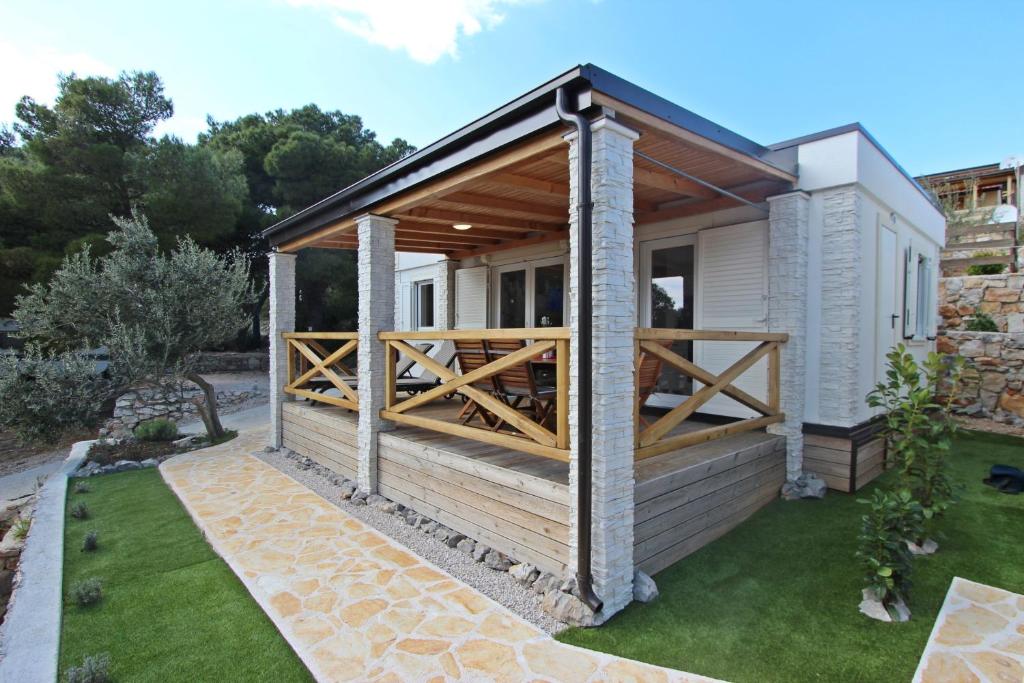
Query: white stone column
{"points": [[444, 288], [612, 369], [376, 264], [788, 234], [282, 319]]}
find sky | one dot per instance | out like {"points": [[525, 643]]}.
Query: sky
{"points": [[937, 83]]}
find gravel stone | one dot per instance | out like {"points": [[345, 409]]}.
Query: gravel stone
{"points": [[358, 501], [545, 583], [454, 539], [524, 574], [374, 499], [389, 506], [497, 561], [498, 586], [467, 546], [644, 588]]}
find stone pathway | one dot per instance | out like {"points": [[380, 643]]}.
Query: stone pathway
{"points": [[978, 636], [353, 603]]}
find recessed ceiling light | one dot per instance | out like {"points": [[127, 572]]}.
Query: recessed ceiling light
{"points": [[462, 226]]}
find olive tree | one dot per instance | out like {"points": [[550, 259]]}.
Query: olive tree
{"points": [[154, 311]]}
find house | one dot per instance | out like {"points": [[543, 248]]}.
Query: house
{"points": [[983, 204], [659, 322]]}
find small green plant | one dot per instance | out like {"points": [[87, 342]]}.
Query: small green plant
{"points": [[157, 430], [82, 487], [87, 592], [91, 541], [893, 516], [93, 669], [985, 268], [80, 510], [919, 426], [21, 527], [981, 322]]}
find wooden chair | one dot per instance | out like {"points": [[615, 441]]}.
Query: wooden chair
{"points": [[517, 386], [471, 354], [647, 373]]}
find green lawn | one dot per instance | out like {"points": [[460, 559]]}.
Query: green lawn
{"points": [[172, 610], [776, 599]]}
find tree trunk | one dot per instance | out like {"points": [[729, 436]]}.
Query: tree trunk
{"points": [[208, 409]]}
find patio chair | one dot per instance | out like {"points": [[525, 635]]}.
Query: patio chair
{"points": [[427, 380], [517, 386], [404, 380], [647, 373], [472, 354]]}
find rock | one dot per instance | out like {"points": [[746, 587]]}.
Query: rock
{"points": [[544, 583], [872, 607], [89, 469], [420, 521], [524, 574], [644, 588], [347, 489], [929, 547], [570, 586], [496, 561], [269, 449], [454, 539], [567, 608], [442, 533], [125, 465], [359, 495], [388, 506], [480, 552], [807, 485], [188, 441], [150, 462], [375, 500], [6, 582], [429, 527], [357, 501], [466, 545]]}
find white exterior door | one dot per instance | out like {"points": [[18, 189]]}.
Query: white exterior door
{"points": [[732, 294], [887, 325]]}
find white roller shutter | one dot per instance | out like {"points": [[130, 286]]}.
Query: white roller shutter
{"points": [[471, 298], [732, 292]]}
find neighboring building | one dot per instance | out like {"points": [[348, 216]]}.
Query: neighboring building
{"points": [[982, 204], [8, 331], [736, 300]]}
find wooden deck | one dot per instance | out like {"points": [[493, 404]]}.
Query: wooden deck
{"points": [[519, 503]]}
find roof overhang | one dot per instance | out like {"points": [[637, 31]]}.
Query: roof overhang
{"points": [[591, 90]]}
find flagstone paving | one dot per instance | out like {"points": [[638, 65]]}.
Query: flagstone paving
{"points": [[978, 636], [355, 604]]}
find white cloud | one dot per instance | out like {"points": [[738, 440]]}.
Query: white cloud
{"points": [[32, 70], [426, 30]]}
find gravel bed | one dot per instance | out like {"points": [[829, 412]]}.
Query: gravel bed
{"points": [[497, 585]]}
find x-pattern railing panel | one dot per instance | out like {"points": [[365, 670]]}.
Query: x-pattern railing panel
{"points": [[307, 349]]}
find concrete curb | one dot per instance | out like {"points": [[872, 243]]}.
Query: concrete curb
{"points": [[30, 636]]}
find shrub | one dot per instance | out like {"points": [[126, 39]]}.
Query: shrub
{"points": [[82, 487], [93, 669], [985, 268], [893, 516], [87, 592], [91, 541], [80, 510], [44, 395], [157, 430], [981, 322], [919, 426]]}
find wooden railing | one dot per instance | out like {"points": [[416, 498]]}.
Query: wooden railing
{"points": [[655, 439], [503, 421], [313, 369]]}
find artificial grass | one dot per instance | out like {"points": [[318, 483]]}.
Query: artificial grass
{"points": [[172, 610], [776, 598]]}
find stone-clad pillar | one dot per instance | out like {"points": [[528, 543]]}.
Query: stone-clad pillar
{"points": [[444, 294], [612, 370], [788, 239], [282, 319], [376, 313]]}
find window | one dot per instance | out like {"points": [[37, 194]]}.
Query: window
{"points": [[918, 297], [529, 294], [423, 304]]}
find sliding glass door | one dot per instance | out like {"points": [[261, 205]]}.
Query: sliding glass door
{"points": [[530, 294], [667, 300]]}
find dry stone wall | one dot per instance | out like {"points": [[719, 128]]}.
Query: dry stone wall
{"points": [[175, 402], [993, 383], [998, 296]]}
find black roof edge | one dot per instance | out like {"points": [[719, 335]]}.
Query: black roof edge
{"points": [[858, 128], [527, 114]]}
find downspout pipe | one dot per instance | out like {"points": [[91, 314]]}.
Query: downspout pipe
{"points": [[583, 350]]}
